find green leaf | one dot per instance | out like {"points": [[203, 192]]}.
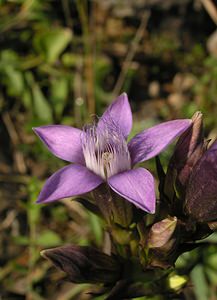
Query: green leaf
{"points": [[52, 43], [211, 260], [210, 239], [41, 106], [9, 57], [200, 283], [27, 99], [212, 275], [21, 240], [96, 227], [59, 93], [71, 59], [49, 238], [14, 81]]}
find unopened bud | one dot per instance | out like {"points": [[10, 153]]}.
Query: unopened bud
{"points": [[189, 149], [201, 194], [161, 232], [191, 138], [162, 243], [84, 264]]}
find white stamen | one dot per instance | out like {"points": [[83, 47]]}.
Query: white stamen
{"points": [[105, 150]]}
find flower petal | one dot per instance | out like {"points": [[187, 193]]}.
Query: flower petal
{"points": [[120, 113], [152, 141], [137, 186], [69, 181], [63, 141]]}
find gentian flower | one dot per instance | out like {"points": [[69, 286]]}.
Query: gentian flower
{"points": [[100, 153]]}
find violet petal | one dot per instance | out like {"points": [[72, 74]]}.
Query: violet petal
{"points": [[63, 141], [69, 181], [120, 113], [137, 186], [152, 141]]}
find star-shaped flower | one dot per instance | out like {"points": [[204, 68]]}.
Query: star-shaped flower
{"points": [[100, 153]]}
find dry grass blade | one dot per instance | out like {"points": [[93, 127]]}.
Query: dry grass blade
{"points": [[15, 140], [211, 9], [130, 55]]}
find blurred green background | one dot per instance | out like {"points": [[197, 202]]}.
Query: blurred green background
{"points": [[63, 62]]}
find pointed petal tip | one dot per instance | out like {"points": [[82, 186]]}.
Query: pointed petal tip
{"points": [[44, 200], [124, 94], [35, 130], [72, 180], [152, 212], [40, 200], [149, 210], [40, 128], [119, 111], [150, 142], [43, 253], [62, 141]]}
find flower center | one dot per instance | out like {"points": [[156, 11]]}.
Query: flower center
{"points": [[105, 150]]}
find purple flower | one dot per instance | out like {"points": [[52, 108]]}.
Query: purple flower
{"points": [[100, 153]]}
